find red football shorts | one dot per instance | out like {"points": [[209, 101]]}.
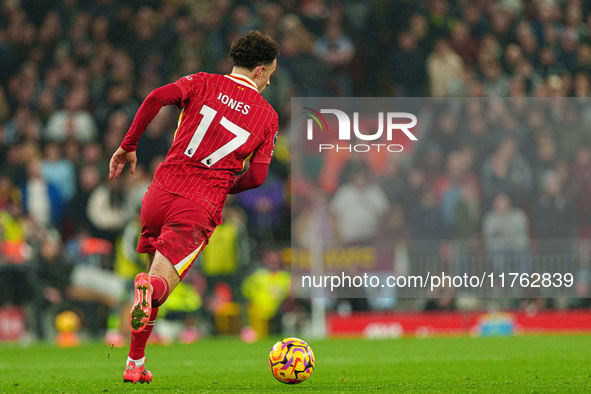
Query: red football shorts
{"points": [[175, 226]]}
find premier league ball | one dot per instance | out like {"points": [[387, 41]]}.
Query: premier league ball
{"points": [[291, 361]]}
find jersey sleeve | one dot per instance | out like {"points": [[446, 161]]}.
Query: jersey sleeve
{"points": [[253, 177], [190, 85], [264, 151], [158, 98]]}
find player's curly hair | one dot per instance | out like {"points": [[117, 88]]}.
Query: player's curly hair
{"points": [[253, 49]]}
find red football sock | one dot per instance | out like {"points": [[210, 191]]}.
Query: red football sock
{"points": [[139, 340], [160, 290]]}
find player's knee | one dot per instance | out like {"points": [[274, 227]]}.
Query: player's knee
{"points": [[160, 290], [158, 302]]}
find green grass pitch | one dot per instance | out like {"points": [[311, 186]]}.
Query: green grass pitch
{"points": [[444, 364]]}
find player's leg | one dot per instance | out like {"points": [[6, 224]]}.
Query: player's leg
{"points": [[151, 290], [135, 370], [157, 285], [153, 217], [142, 313], [149, 260], [172, 241], [162, 267], [144, 292], [142, 305]]}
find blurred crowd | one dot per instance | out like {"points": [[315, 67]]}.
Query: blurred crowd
{"points": [[74, 72]]}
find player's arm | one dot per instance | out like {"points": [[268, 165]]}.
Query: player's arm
{"points": [[253, 177], [259, 163], [158, 98]]}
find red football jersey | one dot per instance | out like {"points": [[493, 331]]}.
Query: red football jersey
{"points": [[224, 122]]}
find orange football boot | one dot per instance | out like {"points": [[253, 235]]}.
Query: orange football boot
{"points": [[142, 304], [135, 374]]}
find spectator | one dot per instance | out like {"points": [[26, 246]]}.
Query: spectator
{"points": [[547, 62], [264, 206], [447, 133], [505, 230], [392, 181], [424, 219], [495, 81], [336, 51], [313, 223], [76, 218], [513, 56], [448, 186], [444, 67], [225, 259], [297, 54], [567, 56], [407, 67], [143, 48], [463, 43], [584, 57], [581, 173], [476, 134], [58, 170], [42, 200], [544, 161], [265, 290], [51, 280], [553, 216], [572, 134], [14, 278], [527, 40], [507, 171], [582, 85], [106, 210], [509, 126], [270, 18], [118, 105], [72, 121], [23, 126], [357, 207], [466, 227], [431, 160]]}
